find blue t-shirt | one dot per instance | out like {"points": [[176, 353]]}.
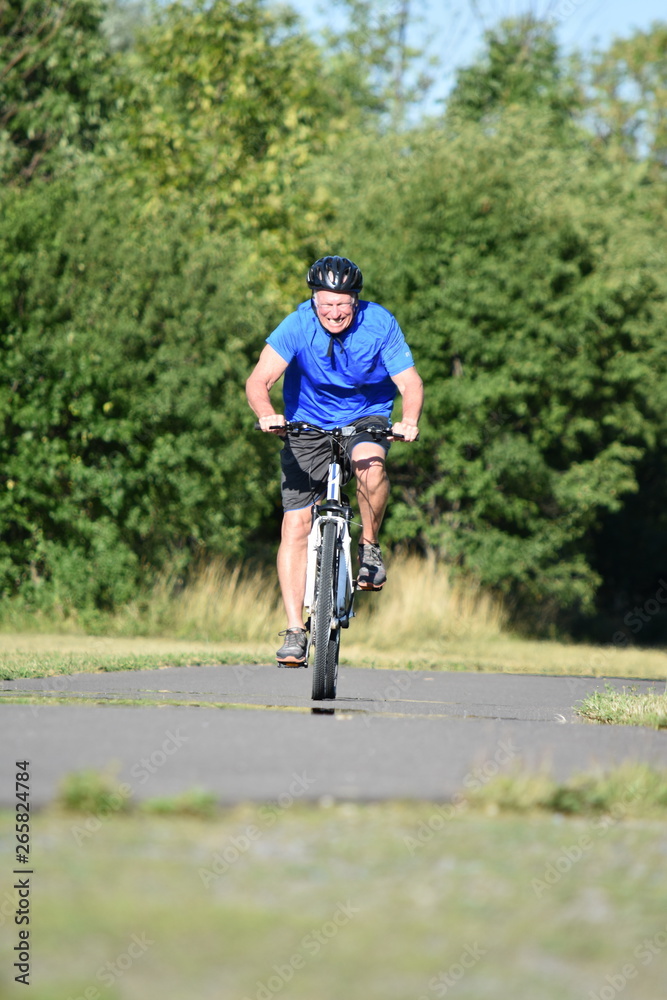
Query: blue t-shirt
{"points": [[355, 380]]}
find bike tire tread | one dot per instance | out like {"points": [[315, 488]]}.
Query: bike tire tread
{"points": [[323, 611]]}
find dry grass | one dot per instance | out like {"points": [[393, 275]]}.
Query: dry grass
{"points": [[419, 604], [223, 603], [421, 620]]}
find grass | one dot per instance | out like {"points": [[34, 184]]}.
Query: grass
{"points": [[99, 793], [421, 620], [232, 603], [630, 790], [381, 902], [51, 655], [625, 708], [47, 655]]}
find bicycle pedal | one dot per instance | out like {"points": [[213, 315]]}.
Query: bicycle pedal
{"points": [[290, 665], [368, 586]]}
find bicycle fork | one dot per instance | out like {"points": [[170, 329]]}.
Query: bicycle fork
{"points": [[344, 595]]}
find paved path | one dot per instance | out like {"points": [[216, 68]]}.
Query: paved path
{"points": [[390, 734]]}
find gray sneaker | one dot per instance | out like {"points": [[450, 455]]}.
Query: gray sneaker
{"points": [[292, 653], [372, 574]]}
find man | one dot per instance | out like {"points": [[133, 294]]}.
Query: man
{"points": [[343, 360]]}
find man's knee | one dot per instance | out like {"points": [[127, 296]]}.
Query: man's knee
{"points": [[370, 470], [368, 458], [296, 525]]}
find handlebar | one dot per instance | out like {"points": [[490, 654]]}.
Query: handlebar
{"points": [[297, 426]]}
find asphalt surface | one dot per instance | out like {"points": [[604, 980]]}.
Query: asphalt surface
{"points": [[250, 733]]}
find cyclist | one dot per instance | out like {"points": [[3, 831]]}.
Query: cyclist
{"points": [[344, 360]]}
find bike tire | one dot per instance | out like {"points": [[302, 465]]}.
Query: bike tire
{"points": [[333, 650], [323, 612]]}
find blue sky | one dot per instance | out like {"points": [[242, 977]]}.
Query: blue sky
{"points": [[456, 27]]}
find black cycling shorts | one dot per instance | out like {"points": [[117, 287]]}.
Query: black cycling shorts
{"points": [[305, 462]]}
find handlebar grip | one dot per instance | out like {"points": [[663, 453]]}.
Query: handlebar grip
{"points": [[401, 437], [276, 427]]}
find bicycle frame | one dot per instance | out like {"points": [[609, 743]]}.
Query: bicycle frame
{"points": [[334, 508]]}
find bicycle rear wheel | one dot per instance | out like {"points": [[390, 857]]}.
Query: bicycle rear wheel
{"points": [[325, 664]]}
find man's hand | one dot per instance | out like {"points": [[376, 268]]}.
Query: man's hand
{"points": [[409, 432], [272, 424]]}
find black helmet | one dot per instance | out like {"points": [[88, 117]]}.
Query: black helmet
{"points": [[335, 274]]}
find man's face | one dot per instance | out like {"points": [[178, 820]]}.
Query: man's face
{"points": [[335, 310]]}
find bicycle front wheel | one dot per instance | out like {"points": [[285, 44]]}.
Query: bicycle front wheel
{"points": [[325, 666], [331, 677]]}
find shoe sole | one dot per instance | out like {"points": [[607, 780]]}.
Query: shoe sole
{"points": [[361, 585], [292, 663]]}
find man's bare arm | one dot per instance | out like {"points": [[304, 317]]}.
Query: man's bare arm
{"points": [[411, 388], [266, 373]]}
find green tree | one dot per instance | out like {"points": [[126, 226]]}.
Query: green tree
{"points": [[628, 94], [135, 297], [520, 67], [524, 275], [369, 51], [226, 103], [54, 84], [125, 445]]}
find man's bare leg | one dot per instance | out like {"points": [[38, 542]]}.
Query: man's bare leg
{"points": [[368, 465], [292, 560]]}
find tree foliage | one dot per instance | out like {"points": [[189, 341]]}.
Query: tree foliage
{"points": [[226, 103], [629, 93], [122, 403], [371, 54], [521, 67], [180, 186], [54, 84], [527, 284]]}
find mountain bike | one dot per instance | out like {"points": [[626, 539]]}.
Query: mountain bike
{"points": [[330, 580]]}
